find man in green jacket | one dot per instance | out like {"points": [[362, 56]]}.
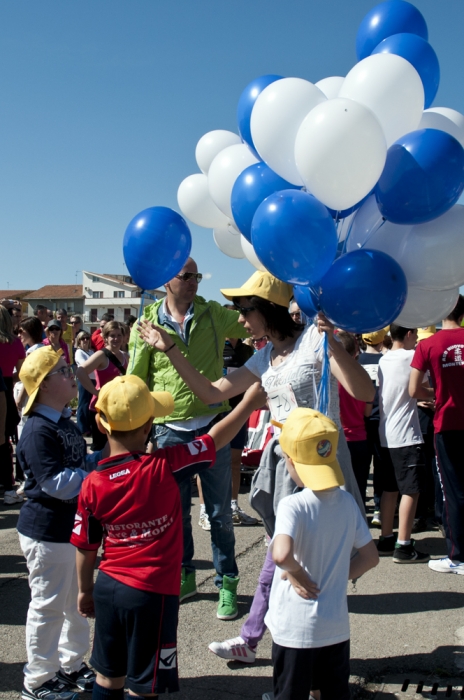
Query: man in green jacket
{"points": [[199, 328]]}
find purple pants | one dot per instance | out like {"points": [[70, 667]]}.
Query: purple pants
{"points": [[254, 628]]}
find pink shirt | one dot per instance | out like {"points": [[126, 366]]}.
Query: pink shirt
{"points": [[352, 416], [10, 354], [63, 346], [103, 376]]}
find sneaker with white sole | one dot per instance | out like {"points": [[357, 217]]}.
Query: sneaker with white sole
{"points": [[447, 566], [234, 650], [83, 679], [408, 554], [376, 519], [10, 498], [239, 517], [54, 689], [204, 521]]}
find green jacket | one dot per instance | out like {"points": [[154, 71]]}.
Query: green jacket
{"points": [[210, 326]]}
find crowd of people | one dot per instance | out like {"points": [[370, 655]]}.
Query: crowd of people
{"points": [[170, 399]]}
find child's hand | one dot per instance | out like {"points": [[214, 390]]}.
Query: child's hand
{"points": [[255, 396], [85, 605], [302, 584], [153, 335]]}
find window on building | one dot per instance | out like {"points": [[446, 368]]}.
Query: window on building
{"points": [[97, 295], [110, 311], [119, 295], [127, 313], [95, 279], [93, 315], [70, 307]]}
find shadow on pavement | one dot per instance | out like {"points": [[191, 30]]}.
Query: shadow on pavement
{"points": [[15, 601], [404, 603], [13, 564], [441, 661]]}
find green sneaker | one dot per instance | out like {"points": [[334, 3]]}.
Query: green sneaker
{"points": [[188, 585], [227, 608]]}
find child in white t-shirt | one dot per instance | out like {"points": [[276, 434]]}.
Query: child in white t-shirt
{"points": [[315, 533]]}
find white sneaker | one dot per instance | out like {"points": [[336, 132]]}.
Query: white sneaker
{"points": [[204, 520], [239, 517], [234, 649], [376, 519], [11, 498], [447, 566], [20, 489]]}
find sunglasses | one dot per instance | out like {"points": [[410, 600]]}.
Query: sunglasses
{"points": [[86, 337], [73, 323], [67, 372], [186, 276], [244, 310]]}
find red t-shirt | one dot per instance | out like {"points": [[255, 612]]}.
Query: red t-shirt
{"points": [[97, 341], [442, 355], [132, 501], [10, 353], [352, 416]]}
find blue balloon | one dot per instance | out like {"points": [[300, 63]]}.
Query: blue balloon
{"points": [[156, 246], [246, 104], [420, 54], [423, 177], [307, 300], [251, 188], [294, 237], [363, 291], [391, 17]]}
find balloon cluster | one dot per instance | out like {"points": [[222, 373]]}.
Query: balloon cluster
{"points": [[345, 188]]}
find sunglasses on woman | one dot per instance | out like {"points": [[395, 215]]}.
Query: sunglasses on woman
{"points": [[186, 276], [244, 310]]}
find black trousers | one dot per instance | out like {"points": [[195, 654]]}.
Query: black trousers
{"points": [[361, 455], [449, 447], [297, 671]]}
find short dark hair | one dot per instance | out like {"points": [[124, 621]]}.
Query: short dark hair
{"points": [[63, 312], [130, 320], [107, 317], [399, 332], [78, 318], [349, 342], [277, 320], [458, 310], [33, 326], [39, 307]]}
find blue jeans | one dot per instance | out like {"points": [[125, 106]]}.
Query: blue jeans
{"points": [[83, 420], [217, 492]]}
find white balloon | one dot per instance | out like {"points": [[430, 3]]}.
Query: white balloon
{"points": [[211, 144], [276, 117], [330, 86], [223, 172], [251, 256], [432, 254], [340, 152], [444, 119], [369, 230], [228, 240], [391, 87], [196, 204], [425, 307]]}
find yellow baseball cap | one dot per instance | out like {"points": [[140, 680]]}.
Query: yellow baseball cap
{"points": [[34, 369], [376, 337], [310, 439], [126, 403], [265, 286], [426, 332]]}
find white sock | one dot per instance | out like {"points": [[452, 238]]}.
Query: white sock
{"points": [[202, 508], [234, 504], [404, 542]]}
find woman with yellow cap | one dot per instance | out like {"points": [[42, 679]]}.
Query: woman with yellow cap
{"points": [[289, 367]]}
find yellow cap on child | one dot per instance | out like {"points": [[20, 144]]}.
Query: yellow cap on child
{"points": [[126, 403], [310, 439]]}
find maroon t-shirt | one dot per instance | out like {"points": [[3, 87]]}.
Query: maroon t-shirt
{"points": [[132, 502], [443, 356]]}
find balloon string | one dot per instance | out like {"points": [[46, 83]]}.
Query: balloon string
{"points": [[323, 391], [374, 230], [142, 299]]}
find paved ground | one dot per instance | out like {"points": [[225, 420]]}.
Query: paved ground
{"points": [[407, 622]]}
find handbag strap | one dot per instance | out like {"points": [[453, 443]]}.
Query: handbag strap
{"points": [[112, 358]]}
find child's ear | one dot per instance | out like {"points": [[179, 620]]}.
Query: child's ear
{"points": [[100, 427]]}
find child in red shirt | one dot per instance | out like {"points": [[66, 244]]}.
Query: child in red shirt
{"points": [[132, 503]]}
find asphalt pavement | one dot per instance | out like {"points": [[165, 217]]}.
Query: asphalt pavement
{"points": [[407, 622]]}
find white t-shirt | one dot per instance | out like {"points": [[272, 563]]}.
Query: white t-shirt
{"points": [[81, 356], [325, 526], [294, 382], [399, 419]]}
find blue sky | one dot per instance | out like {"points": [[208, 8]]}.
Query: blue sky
{"points": [[102, 103]]}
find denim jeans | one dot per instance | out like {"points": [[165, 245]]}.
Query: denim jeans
{"points": [[83, 419], [217, 492]]}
